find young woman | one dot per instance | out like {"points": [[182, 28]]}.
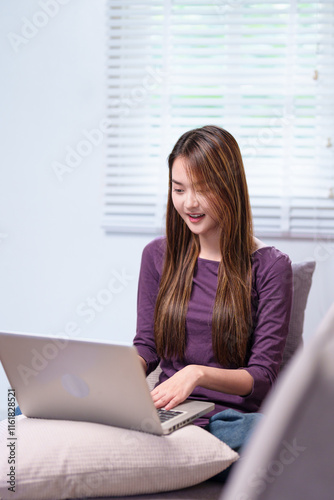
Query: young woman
{"points": [[213, 301]]}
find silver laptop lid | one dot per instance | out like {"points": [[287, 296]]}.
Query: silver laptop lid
{"points": [[80, 379]]}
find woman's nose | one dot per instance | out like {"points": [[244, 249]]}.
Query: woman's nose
{"points": [[191, 200]]}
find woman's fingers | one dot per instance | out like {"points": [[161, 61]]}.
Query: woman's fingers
{"points": [[176, 389], [167, 396]]}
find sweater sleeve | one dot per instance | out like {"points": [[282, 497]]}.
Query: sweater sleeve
{"points": [[274, 287], [148, 286]]}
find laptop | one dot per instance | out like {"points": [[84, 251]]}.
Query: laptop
{"points": [[87, 380]]}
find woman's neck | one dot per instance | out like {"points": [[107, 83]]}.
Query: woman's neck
{"points": [[210, 249]]}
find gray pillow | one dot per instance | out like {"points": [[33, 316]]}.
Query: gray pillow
{"points": [[302, 280]]}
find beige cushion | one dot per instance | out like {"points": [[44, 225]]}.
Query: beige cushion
{"points": [[63, 459]]}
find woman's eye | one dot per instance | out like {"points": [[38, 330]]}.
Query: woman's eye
{"points": [[178, 190]]}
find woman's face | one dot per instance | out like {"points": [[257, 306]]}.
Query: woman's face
{"points": [[191, 203]]}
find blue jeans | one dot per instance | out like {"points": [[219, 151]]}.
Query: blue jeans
{"points": [[233, 428]]}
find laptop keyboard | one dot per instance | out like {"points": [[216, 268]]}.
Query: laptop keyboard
{"points": [[165, 415]]}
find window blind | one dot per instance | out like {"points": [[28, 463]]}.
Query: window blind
{"points": [[262, 70]]}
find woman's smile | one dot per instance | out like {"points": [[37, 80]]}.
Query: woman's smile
{"points": [[195, 218]]}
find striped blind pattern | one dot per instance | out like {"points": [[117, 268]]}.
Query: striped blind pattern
{"points": [[264, 71]]}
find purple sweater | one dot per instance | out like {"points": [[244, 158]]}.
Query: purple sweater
{"points": [[271, 307]]}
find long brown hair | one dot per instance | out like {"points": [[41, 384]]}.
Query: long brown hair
{"points": [[212, 157]]}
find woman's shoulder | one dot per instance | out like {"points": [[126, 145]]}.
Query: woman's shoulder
{"points": [[156, 246], [272, 273], [154, 252], [269, 259]]}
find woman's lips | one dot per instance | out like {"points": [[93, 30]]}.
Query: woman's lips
{"points": [[195, 217]]}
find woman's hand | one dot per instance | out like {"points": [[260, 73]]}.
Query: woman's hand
{"points": [[177, 388]]}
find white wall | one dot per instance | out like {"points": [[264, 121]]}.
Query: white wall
{"points": [[54, 256]]}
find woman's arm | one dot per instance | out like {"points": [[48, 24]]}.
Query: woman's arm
{"points": [[143, 362], [148, 286], [177, 388], [238, 382]]}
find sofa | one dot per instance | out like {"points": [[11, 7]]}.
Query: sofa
{"points": [[289, 455], [63, 459]]}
